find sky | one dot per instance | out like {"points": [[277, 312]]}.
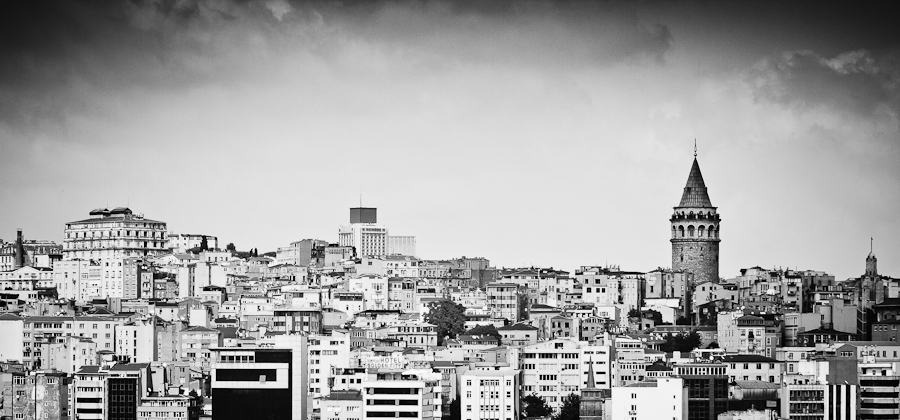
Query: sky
{"points": [[532, 133]]}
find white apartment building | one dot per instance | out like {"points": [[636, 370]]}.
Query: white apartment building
{"points": [[490, 394], [401, 245], [116, 233], [174, 407], [325, 352], [420, 399], [369, 239], [137, 341], [374, 289], [665, 398], [38, 331], [180, 243], [556, 368], [78, 279]]}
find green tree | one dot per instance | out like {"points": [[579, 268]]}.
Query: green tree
{"points": [[204, 245], [535, 406], [485, 330], [448, 317], [634, 313], [571, 408], [230, 247]]}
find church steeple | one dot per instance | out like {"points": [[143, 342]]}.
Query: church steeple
{"points": [[591, 383], [871, 261]]}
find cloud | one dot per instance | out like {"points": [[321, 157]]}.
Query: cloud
{"points": [[855, 81], [71, 57]]}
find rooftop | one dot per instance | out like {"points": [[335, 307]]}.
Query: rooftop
{"points": [[695, 194]]}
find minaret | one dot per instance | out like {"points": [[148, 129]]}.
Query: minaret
{"points": [[695, 230]]}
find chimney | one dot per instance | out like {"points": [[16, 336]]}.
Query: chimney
{"points": [[20, 250]]}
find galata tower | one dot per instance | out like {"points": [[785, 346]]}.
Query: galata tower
{"points": [[695, 230]]}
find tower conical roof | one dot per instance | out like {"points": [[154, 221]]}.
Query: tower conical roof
{"points": [[590, 375], [695, 191]]}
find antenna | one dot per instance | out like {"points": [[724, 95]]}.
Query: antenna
{"points": [[695, 147], [871, 241], [360, 200]]}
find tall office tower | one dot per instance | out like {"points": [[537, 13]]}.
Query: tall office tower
{"points": [[116, 233], [695, 231], [369, 238]]}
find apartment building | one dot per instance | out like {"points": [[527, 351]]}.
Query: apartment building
{"points": [[490, 394], [503, 301], [39, 331], [115, 233], [663, 398], [326, 352], [341, 405], [819, 401], [420, 399], [556, 368]]}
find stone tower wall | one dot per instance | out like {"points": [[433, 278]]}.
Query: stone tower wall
{"points": [[700, 257]]}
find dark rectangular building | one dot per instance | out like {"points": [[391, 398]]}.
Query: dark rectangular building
{"points": [[363, 215], [707, 385], [252, 383]]}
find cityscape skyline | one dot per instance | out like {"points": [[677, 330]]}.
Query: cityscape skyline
{"points": [[261, 123]]}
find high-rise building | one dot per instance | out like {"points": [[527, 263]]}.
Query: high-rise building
{"points": [[371, 239], [116, 233], [695, 231]]}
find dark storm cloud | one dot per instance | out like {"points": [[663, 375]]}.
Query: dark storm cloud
{"points": [[60, 57], [856, 81]]}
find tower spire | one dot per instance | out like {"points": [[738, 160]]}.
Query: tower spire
{"points": [[695, 148], [590, 374]]}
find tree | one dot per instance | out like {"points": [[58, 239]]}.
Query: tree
{"points": [[271, 254], [681, 342], [536, 406], [448, 317], [490, 330], [230, 247], [654, 315], [204, 245], [682, 321], [456, 409], [571, 408], [634, 313]]}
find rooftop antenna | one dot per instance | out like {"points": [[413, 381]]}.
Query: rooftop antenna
{"points": [[695, 147], [871, 240]]}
